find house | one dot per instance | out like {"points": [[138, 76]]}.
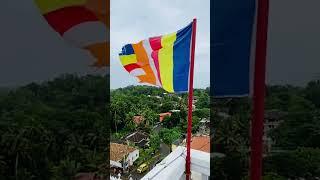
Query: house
{"points": [[193, 107], [139, 139], [122, 156], [200, 143], [163, 115], [138, 119], [194, 99]]}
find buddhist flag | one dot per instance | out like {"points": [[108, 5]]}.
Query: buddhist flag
{"points": [[232, 65], [163, 61], [81, 23]]}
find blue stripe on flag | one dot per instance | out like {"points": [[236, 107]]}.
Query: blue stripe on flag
{"points": [[127, 50], [232, 22], [181, 59]]}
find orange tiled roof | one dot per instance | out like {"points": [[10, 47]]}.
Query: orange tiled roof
{"points": [[201, 143], [162, 115], [118, 151]]}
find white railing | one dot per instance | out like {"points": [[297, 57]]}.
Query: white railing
{"points": [[173, 166]]}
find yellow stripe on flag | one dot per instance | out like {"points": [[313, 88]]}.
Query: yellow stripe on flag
{"points": [[166, 61], [46, 6], [128, 59]]}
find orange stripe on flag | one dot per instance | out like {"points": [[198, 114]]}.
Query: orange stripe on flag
{"points": [[143, 61], [101, 52]]}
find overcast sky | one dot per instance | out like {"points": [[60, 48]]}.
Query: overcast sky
{"points": [[132, 21], [294, 36], [31, 51]]}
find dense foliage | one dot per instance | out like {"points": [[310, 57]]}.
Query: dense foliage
{"points": [[296, 152], [55, 129], [149, 102]]}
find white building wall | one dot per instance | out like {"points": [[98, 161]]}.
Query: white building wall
{"points": [[132, 157], [115, 164]]}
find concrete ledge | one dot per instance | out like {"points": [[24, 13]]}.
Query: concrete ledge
{"points": [[173, 166]]}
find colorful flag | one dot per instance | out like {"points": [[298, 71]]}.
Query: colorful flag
{"points": [[163, 61], [82, 23], [232, 65]]}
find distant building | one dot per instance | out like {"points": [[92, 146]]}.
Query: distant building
{"points": [[272, 120], [139, 139], [138, 119], [122, 156], [193, 107], [204, 127], [163, 115], [174, 110], [194, 100]]}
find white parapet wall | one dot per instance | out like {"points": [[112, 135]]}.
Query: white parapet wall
{"points": [[173, 166]]}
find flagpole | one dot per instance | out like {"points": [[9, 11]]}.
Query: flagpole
{"points": [[193, 43], [259, 91]]}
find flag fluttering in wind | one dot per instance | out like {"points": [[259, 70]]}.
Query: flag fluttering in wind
{"points": [[168, 62], [163, 61], [82, 23]]}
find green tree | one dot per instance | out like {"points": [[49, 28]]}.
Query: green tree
{"points": [[300, 163], [155, 141], [166, 106], [313, 92], [169, 135], [42, 125], [202, 113]]}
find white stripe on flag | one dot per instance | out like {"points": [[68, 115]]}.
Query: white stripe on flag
{"points": [[147, 47], [87, 33], [137, 72]]}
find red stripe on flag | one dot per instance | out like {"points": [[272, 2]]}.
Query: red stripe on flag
{"points": [[131, 67], [155, 58], [65, 18], [155, 42]]}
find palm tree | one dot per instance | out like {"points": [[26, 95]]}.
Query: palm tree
{"points": [[232, 134]]}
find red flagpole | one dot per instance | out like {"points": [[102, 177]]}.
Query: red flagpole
{"points": [[259, 91], [193, 45]]}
